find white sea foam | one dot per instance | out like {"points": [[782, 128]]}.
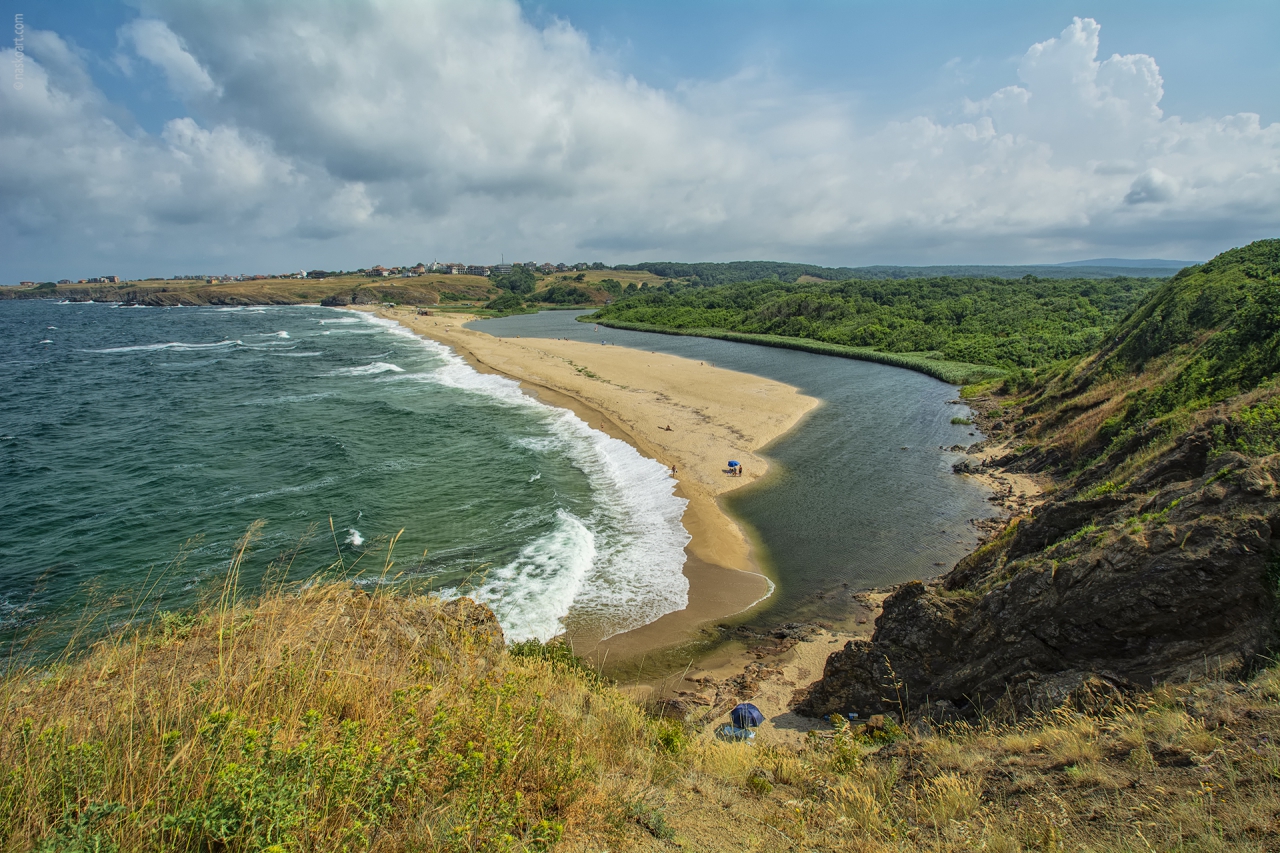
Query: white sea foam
{"points": [[46, 341], [173, 345], [621, 567], [531, 594], [536, 476], [368, 369], [354, 538], [270, 346]]}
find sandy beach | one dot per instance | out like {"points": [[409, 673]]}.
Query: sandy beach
{"points": [[680, 412]]}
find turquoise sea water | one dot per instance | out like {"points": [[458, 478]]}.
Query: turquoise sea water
{"points": [[130, 436]]}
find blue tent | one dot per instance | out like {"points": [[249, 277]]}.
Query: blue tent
{"points": [[733, 733], [746, 716]]}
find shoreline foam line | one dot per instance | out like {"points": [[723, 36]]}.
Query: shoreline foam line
{"points": [[618, 567], [672, 410]]}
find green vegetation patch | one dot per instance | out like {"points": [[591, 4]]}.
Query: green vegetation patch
{"points": [[565, 294], [997, 323], [1252, 431], [506, 303]]}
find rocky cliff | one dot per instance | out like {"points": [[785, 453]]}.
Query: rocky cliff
{"points": [[1157, 558]]}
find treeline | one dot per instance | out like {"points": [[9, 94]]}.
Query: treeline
{"points": [[711, 274], [1010, 324]]}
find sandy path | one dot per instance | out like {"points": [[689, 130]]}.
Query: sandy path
{"points": [[714, 415]]}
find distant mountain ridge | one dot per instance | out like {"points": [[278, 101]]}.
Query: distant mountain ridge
{"points": [[1130, 263]]}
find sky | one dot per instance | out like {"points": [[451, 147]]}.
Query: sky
{"points": [[166, 137]]}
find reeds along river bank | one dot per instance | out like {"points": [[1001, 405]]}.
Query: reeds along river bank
{"points": [[320, 717], [951, 372]]}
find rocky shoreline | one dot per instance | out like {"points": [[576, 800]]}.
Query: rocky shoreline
{"points": [[1078, 595]]}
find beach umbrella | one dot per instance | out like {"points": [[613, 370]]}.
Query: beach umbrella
{"points": [[733, 463], [746, 716]]}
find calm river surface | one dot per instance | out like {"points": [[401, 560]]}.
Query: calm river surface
{"points": [[862, 493]]}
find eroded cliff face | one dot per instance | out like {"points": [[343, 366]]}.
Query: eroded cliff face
{"points": [[1172, 576]]}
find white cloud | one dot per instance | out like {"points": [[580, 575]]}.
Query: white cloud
{"points": [[372, 130], [1152, 185], [155, 42]]}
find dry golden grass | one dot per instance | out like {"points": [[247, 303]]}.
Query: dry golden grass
{"points": [[326, 718], [318, 718]]}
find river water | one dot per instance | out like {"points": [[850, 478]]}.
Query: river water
{"points": [[862, 494]]}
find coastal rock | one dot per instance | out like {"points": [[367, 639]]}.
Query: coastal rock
{"points": [[1084, 600]]}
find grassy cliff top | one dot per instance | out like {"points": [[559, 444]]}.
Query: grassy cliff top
{"points": [[326, 718]]}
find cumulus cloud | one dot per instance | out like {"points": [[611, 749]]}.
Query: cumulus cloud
{"points": [[453, 129], [1152, 185], [158, 44]]}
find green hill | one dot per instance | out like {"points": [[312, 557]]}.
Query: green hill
{"points": [[1208, 338]]}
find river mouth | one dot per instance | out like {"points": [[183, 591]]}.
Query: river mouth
{"points": [[131, 432], [861, 494]]}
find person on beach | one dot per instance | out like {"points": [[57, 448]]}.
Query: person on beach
{"points": [[673, 470]]}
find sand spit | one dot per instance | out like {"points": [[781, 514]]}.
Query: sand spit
{"points": [[680, 412]]}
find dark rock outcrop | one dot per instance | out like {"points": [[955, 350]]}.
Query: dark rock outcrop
{"points": [[1173, 577]]}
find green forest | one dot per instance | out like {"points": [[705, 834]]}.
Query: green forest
{"points": [[710, 274], [1009, 324]]}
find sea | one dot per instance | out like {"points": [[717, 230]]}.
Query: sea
{"points": [[138, 446]]}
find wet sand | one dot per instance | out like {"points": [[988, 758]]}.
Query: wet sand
{"points": [[713, 414]]}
